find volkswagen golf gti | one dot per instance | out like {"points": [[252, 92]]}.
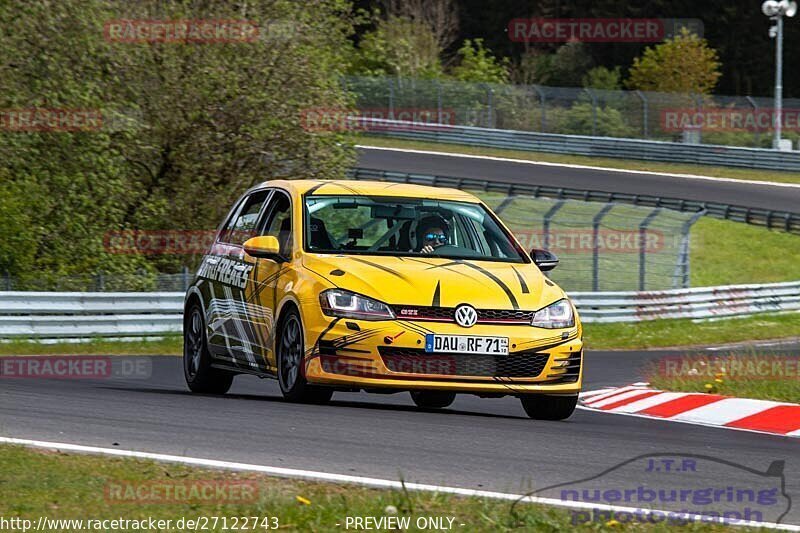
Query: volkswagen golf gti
{"points": [[380, 287]]}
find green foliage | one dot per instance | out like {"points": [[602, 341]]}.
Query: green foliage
{"points": [[477, 64], [186, 126], [683, 64], [580, 119], [603, 78], [398, 47], [565, 68]]}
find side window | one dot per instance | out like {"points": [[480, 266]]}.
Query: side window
{"points": [[243, 225], [279, 221]]}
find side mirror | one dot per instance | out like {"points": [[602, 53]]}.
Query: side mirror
{"points": [[545, 260], [264, 247]]}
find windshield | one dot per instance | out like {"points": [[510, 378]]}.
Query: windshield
{"points": [[366, 225]]}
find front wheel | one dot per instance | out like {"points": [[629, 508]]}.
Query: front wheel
{"points": [[200, 375], [290, 354], [547, 407], [428, 399]]}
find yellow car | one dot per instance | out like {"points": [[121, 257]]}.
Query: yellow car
{"points": [[355, 285]]}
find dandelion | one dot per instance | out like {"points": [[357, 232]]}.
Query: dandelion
{"points": [[390, 510], [612, 523], [693, 372]]}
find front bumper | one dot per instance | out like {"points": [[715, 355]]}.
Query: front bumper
{"points": [[390, 355]]}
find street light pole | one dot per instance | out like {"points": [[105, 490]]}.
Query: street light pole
{"points": [[778, 82], [776, 10]]}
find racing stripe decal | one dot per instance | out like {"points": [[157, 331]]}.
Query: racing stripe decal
{"points": [[437, 295], [380, 267], [497, 280], [314, 348], [522, 284]]}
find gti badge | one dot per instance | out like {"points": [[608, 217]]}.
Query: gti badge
{"points": [[466, 316]]}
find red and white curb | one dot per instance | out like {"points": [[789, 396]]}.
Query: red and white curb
{"points": [[762, 416]]}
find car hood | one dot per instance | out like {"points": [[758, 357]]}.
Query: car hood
{"points": [[435, 281]]}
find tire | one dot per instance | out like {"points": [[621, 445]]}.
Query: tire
{"points": [[547, 407], [200, 376], [290, 353], [430, 399]]}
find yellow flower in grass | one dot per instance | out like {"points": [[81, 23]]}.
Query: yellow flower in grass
{"points": [[304, 501], [612, 523], [717, 380]]}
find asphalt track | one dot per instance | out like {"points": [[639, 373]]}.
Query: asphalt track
{"points": [[765, 196], [477, 443], [486, 444]]}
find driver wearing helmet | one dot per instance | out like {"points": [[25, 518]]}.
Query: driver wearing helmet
{"points": [[432, 232]]}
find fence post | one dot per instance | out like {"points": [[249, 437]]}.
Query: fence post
{"points": [[682, 267], [596, 245], [540, 92], [594, 110], [185, 278], [391, 98], [753, 103], [645, 113], [643, 245], [7, 277], [439, 102], [489, 102], [101, 281], [547, 218]]}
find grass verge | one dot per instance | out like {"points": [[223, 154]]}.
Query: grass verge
{"points": [[626, 164], [776, 388], [170, 345], [61, 486], [729, 253]]}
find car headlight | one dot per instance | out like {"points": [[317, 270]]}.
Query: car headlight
{"points": [[555, 316], [346, 304]]}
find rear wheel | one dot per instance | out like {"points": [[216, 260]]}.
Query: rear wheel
{"points": [[200, 376], [547, 407], [429, 399], [290, 354]]}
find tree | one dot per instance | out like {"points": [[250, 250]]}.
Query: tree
{"points": [[477, 64], [440, 16], [684, 64], [603, 78], [203, 121], [399, 46]]}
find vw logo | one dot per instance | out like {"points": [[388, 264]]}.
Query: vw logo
{"points": [[466, 316]]}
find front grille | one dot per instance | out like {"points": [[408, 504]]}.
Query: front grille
{"points": [[446, 314], [417, 361]]}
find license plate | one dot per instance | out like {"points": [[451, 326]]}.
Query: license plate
{"points": [[470, 344]]}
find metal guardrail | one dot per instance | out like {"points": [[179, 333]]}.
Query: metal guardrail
{"points": [[83, 315], [701, 154], [696, 303], [778, 220], [66, 315]]}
